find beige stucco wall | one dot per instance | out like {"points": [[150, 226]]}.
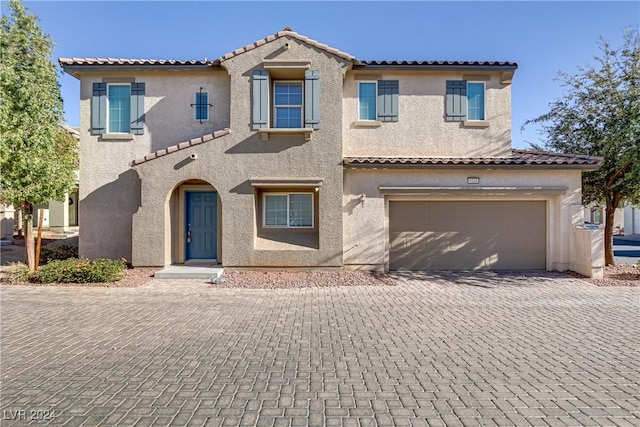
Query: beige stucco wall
{"points": [[587, 252], [110, 190], [421, 129], [229, 162], [365, 223]]}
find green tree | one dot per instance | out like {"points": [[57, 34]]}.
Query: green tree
{"points": [[599, 115], [37, 160]]}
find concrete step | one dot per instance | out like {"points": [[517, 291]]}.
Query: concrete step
{"points": [[189, 272]]}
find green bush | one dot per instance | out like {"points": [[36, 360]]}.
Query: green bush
{"points": [[73, 270], [60, 252], [19, 273]]}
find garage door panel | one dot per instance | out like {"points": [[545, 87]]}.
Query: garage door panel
{"points": [[467, 235]]}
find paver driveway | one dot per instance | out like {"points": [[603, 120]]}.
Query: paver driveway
{"points": [[438, 349]]}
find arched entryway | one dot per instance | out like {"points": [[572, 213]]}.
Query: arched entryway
{"points": [[195, 222]]}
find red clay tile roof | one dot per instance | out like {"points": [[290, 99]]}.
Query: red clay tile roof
{"points": [[288, 32], [518, 158], [127, 61], [181, 146]]}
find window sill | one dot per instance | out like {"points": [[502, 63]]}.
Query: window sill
{"points": [[367, 123], [265, 132], [118, 136], [476, 124]]}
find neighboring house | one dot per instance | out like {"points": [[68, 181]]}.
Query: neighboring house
{"points": [[60, 215], [290, 153], [631, 219]]}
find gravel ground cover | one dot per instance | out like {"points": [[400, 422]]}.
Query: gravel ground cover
{"points": [[289, 280], [620, 274]]}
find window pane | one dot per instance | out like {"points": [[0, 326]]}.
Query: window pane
{"points": [[202, 110], [367, 101], [288, 93], [300, 210], [475, 100], [275, 213], [120, 108], [288, 117]]}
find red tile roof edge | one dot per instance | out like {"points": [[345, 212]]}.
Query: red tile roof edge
{"points": [[181, 146], [518, 157]]}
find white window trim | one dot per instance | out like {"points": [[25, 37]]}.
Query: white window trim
{"points": [[360, 119], [272, 102], [264, 210], [195, 103], [109, 132], [484, 94]]}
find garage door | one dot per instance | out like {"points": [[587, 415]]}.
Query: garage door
{"points": [[480, 235]]}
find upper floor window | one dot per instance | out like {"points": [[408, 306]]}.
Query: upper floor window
{"points": [[465, 101], [119, 110], [367, 101], [287, 104], [202, 106], [282, 103], [475, 101]]}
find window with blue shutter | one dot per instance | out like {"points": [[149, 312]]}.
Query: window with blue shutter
{"points": [[117, 108], [465, 101], [388, 100], [99, 109], [137, 108], [260, 99], [456, 101], [312, 99], [202, 106]]}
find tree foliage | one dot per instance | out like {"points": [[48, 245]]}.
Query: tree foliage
{"points": [[599, 115], [37, 159]]}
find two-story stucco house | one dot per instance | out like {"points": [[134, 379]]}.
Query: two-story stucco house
{"points": [[290, 153]]}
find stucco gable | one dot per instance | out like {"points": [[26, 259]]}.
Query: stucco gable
{"points": [[181, 146], [288, 32]]}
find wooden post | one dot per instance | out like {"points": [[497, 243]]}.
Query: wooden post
{"points": [[39, 239]]}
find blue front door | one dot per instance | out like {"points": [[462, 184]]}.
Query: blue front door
{"points": [[202, 212]]}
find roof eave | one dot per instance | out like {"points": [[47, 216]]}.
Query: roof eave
{"points": [[435, 67], [75, 70], [381, 165]]}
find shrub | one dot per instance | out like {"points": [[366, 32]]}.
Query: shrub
{"points": [[73, 270], [17, 273], [60, 252]]}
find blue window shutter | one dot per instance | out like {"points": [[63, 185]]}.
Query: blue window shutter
{"points": [[456, 101], [137, 108], [260, 99], [99, 109], [388, 100], [312, 99]]}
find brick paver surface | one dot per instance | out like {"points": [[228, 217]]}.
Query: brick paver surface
{"points": [[457, 349]]}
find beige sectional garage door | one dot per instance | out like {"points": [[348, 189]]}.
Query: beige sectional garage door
{"points": [[467, 235]]}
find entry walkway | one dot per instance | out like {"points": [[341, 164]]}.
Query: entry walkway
{"points": [[437, 349]]}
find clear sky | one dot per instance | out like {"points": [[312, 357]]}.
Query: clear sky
{"points": [[542, 37]]}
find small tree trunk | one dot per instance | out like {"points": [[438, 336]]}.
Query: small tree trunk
{"points": [[39, 239], [609, 214], [29, 244]]}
